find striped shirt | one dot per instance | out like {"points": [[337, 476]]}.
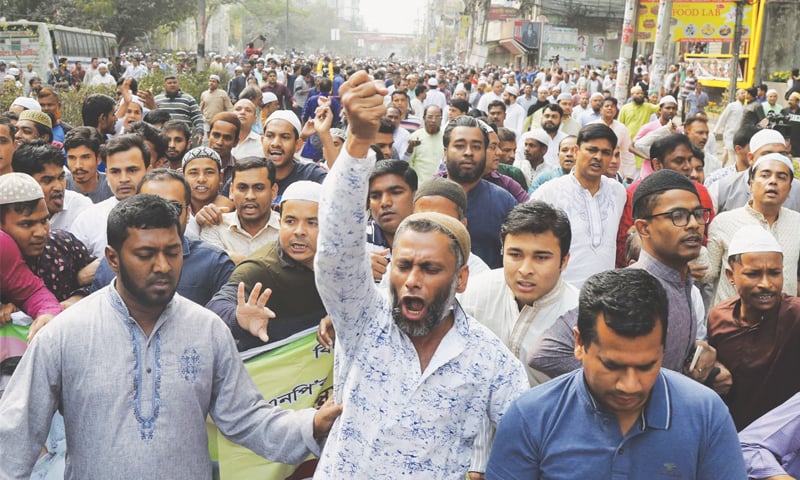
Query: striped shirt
{"points": [[184, 108]]}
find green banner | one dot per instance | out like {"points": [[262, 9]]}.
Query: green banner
{"points": [[296, 375]]}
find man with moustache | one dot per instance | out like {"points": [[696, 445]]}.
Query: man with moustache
{"points": [[622, 391], [424, 150], [757, 331], [127, 158], [206, 268], [45, 163], [636, 113], [669, 220], [222, 138], [552, 115], [180, 368], [286, 267], [592, 201], [770, 183], [179, 136], [465, 144], [608, 116], [82, 145], [566, 161], [434, 423]]}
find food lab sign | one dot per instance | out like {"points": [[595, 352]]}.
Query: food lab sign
{"points": [[695, 20]]}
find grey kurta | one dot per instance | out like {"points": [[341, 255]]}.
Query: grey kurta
{"points": [[135, 407]]}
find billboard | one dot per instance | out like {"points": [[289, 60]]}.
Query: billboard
{"points": [[528, 34], [694, 21]]}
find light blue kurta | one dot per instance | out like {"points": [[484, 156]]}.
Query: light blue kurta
{"points": [[135, 407]]}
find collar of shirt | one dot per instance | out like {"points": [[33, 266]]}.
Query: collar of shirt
{"points": [[657, 412], [118, 304], [748, 207], [661, 271], [236, 225]]}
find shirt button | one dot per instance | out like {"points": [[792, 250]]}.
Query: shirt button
{"points": [[149, 370]]}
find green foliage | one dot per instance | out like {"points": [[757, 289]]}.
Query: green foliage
{"points": [[72, 101], [781, 76], [193, 83], [7, 95]]}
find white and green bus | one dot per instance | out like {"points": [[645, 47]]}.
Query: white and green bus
{"points": [[40, 43]]}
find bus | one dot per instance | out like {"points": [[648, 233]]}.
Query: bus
{"points": [[40, 43]]}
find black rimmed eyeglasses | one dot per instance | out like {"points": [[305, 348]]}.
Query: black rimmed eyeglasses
{"points": [[680, 216]]}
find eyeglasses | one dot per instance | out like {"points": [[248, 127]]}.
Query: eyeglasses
{"points": [[178, 206], [680, 216]]}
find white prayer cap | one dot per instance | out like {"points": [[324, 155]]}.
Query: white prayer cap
{"points": [[13, 71], [511, 90], [667, 99], [773, 156], [302, 190], [766, 136], [537, 134], [288, 116], [460, 88], [772, 90], [753, 238], [596, 95], [543, 89], [268, 97], [564, 96], [18, 187], [27, 103]]}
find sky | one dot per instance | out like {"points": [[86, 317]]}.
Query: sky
{"points": [[394, 17]]}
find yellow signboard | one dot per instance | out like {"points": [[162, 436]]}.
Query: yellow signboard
{"points": [[694, 21]]}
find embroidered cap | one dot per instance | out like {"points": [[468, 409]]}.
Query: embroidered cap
{"points": [[442, 187], [201, 152], [38, 117], [18, 187]]}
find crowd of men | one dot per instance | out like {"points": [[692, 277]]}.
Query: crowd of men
{"points": [[520, 276]]}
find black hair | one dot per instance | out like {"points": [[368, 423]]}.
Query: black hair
{"points": [[611, 100], [160, 116], [743, 135], [506, 135], [325, 85], [496, 103], [157, 137], [554, 107], [134, 85], [597, 131], [631, 301], [538, 217], [162, 174], [467, 121], [140, 212], [420, 89], [399, 92], [83, 137], [250, 163], [123, 143], [5, 119], [386, 126], [698, 154], [95, 105], [32, 157], [176, 125], [667, 144], [23, 208], [460, 104], [227, 117], [401, 168], [692, 120]]}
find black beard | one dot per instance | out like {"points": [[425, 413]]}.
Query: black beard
{"points": [[551, 129], [638, 101]]}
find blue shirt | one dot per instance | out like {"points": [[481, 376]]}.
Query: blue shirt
{"points": [[487, 207], [206, 269], [558, 431]]}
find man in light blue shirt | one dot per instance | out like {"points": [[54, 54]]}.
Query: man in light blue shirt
{"points": [[620, 416]]}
